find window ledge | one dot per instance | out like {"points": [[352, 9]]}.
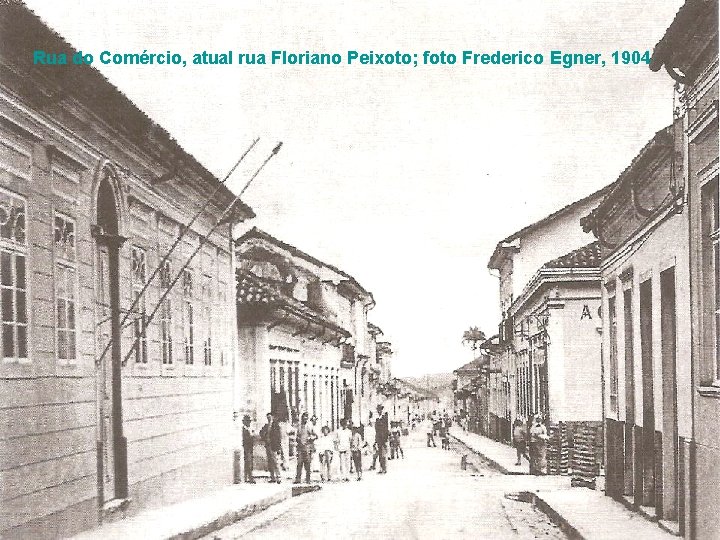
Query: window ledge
{"points": [[709, 391], [17, 361]]}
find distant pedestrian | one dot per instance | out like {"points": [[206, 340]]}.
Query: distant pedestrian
{"points": [[270, 435], [397, 442], [444, 438], [247, 441], [538, 446], [342, 445], [436, 425], [324, 447], [431, 435], [382, 434], [306, 437], [356, 448], [520, 440]]}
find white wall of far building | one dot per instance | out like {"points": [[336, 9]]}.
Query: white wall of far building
{"points": [[548, 241], [581, 353]]}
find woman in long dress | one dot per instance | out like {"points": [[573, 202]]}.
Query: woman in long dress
{"points": [[538, 446]]}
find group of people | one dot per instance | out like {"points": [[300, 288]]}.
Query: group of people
{"points": [[344, 447], [439, 426], [531, 436]]}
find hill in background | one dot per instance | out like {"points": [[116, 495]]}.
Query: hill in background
{"points": [[438, 383]]}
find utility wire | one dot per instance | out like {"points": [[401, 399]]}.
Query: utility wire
{"points": [[177, 241], [162, 298]]}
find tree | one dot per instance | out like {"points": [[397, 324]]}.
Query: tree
{"points": [[473, 336]]}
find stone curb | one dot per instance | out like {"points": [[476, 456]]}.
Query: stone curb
{"points": [[557, 518], [496, 465], [230, 517]]}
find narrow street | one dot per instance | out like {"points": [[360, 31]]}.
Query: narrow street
{"points": [[425, 495]]}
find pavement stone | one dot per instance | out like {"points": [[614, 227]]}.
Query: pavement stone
{"points": [[589, 514], [193, 518]]}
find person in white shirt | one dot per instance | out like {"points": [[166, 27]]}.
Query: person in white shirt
{"points": [[324, 446], [342, 445]]}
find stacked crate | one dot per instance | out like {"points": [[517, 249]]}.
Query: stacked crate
{"points": [[564, 458], [553, 449], [584, 466]]}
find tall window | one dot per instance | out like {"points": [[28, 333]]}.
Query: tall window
{"points": [[225, 324], [166, 338], [314, 396], [711, 273], [188, 317], [13, 287], [612, 321], [139, 276], [65, 287], [207, 312]]}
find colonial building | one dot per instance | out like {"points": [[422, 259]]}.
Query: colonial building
{"points": [[496, 393], [468, 393], [116, 371], [547, 286], [689, 52], [371, 371], [303, 335], [556, 359], [643, 234]]}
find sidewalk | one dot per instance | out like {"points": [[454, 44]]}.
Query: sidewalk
{"points": [[590, 514], [502, 456], [195, 517], [580, 512]]}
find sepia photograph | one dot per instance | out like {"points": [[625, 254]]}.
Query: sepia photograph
{"points": [[392, 269]]}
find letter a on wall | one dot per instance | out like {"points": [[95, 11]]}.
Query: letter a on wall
{"points": [[585, 313]]}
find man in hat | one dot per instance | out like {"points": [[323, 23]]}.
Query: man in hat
{"points": [[247, 443], [305, 448], [382, 434], [270, 435]]}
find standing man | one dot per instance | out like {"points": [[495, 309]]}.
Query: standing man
{"points": [[270, 434], [382, 433], [305, 448], [247, 443]]}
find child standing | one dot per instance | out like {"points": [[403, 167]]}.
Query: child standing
{"points": [[324, 447], [342, 445], [356, 447], [520, 440]]}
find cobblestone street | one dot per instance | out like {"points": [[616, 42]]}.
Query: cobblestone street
{"points": [[425, 495]]}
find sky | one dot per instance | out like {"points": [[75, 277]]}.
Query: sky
{"points": [[404, 177]]}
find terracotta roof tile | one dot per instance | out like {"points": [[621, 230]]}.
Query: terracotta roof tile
{"points": [[584, 257]]}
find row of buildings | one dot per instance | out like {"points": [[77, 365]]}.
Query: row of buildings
{"points": [[611, 313], [135, 337]]}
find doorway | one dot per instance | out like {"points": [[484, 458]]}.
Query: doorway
{"points": [[111, 444]]}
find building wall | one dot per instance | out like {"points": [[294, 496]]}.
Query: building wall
{"points": [[701, 152], [572, 347], [49, 431], [582, 356], [553, 239], [645, 258], [264, 352]]}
